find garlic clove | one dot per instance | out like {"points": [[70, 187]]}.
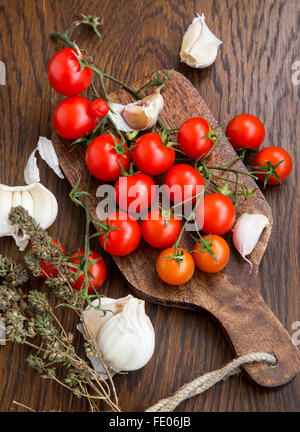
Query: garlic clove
{"points": [[27, 201], [247, 231], [5, 203], [135, 117], [143, 114], [16, 199], [199, 45], [44, 206], [140, 115]]}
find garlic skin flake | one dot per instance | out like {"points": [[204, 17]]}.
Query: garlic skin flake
{"points": [[47, 153], [125, 336], [139, 115], [40, 203], [246, 232], [199, 45]]}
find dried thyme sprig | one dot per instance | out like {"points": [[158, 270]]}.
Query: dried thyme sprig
{"points": [[44, 248], [29, 318]]}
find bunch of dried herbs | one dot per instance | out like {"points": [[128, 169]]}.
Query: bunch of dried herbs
{"points": [[30, 319]]}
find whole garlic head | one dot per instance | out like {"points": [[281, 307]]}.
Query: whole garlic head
{"points": [[125, 335], [140, 115], [199, 45]]}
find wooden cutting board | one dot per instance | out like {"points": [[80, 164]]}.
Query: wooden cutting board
{"points": [[232, 296]]}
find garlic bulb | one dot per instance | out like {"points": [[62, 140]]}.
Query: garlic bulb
{"points": [[247, 231], [140, 115], [40, 203], [125, 335], [199, 45], [36, 199]]}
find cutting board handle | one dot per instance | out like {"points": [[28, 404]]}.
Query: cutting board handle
{"points": [[256, 329]]}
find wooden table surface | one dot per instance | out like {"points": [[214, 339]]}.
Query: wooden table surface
{"points": [[253, 73]]}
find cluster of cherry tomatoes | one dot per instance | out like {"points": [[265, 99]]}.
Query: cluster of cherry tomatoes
{"points": [[110, 160], [245, 130]]}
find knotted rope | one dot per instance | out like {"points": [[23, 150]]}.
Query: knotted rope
{"points": [[208, 380]]}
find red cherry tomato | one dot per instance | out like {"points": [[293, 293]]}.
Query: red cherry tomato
{"points": [[217, 214], [191, 138], [102, 159], [204, 260], [151, 155], [245, 130], [65, 74], [185, 181], [175, 272], [97, 270], [159, 232], [72, 118], [99, 108], [135, 193], [273, 155], [123, 240], [48, 271]]}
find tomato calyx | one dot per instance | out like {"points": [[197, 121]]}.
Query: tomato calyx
{"points": [[76, 194], [131, 136], [92, 21], [268, 170], [178, 255], [224, 190], [80, 267], [83, 61], [206, 246], [105, 229], [165, 134], [119, 147], [166, 214], [131, 172], [211, 133]]}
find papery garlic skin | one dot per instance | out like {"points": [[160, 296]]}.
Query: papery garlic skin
{"points": [[40, 203], [46, 150], [247, 231], [139, 115], [199, 45], [125, 336]]}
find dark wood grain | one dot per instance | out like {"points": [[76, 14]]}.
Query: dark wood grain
{"points": [[251, 74], [232, 295]]}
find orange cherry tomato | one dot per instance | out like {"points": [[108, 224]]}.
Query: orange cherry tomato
{"points": [[204, 260], [175, 271]]}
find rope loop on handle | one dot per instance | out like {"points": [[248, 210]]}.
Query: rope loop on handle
{"points": [[204, 382]]}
